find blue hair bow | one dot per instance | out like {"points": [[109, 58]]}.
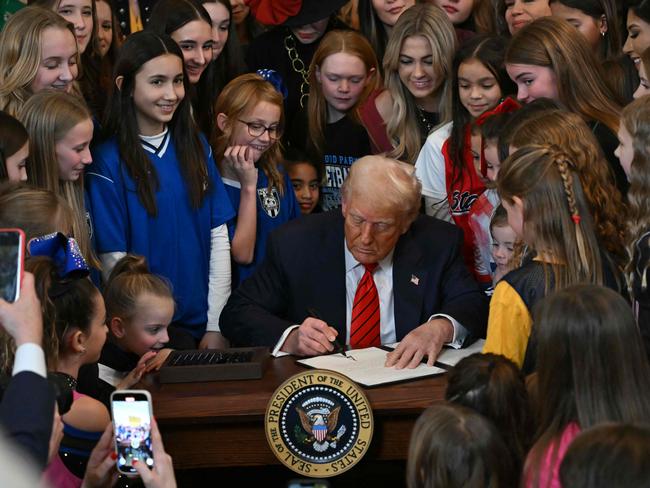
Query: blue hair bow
{"points": [[64, 251], [275, 79]]}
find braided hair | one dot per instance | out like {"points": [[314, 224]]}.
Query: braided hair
{"points": [[570, 132], [558, 226], [562, 165]]}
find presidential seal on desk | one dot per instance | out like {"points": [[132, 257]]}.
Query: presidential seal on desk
{"points": [[319, 423]]}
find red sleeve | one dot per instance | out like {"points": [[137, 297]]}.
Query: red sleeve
{"points": [[374, 124]]}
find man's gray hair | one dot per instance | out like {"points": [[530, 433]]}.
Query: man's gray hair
{"points": [[386, 183]]}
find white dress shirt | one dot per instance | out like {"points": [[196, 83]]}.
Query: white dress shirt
{"points": [[383, 277], [29, 357]]}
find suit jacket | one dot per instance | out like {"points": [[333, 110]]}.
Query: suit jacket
{"points": [[27, 414], [305, 268]]}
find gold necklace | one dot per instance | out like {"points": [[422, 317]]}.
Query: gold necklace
{"points": [[298, 66]]}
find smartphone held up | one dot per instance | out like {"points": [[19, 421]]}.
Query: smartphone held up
{"points": [[132, 415], [12, 256]]}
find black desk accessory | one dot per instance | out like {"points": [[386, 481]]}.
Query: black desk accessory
{"points": [[237, 363]]}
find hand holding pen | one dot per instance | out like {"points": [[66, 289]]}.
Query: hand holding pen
{"points": [[311, 338], [339, 348]]}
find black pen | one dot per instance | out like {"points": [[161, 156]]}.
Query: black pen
{"points": [[338, 347]]}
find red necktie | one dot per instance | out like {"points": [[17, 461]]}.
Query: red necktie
{"points": [[364, 326]]}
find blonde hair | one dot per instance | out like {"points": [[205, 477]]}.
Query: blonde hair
{"points": [[334, 42], [636, 120], [48, 116], [400, 189], [557, 222], [570, 132], [554, 43], [21, 53], [431, 22], [130, 279], [36, 211], [239, 96]]}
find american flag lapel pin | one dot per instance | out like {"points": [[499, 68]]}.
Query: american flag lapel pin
{"points": [[415, 280]]}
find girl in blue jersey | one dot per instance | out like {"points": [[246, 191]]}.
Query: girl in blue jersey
{"points": [[155, 190], [246, 142]]}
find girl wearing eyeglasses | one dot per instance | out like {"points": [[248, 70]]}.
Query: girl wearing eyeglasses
{"points": [[249, 125], [155, 189]]}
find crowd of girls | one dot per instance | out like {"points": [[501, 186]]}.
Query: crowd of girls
{"points": [[551, 60], [82, 14], [201, 31], [161, 161], [447, 166], [74, 332], [565, 247]]}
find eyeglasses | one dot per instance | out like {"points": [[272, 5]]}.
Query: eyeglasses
{"points": [[255, 129]]}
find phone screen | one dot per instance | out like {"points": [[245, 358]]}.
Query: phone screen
{"points": [[132, 423], [11, 255]]}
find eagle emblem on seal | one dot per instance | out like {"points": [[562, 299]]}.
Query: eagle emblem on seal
{"points": [[319, 424]]}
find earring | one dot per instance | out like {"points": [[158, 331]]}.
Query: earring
{"points": [[602, 33]]}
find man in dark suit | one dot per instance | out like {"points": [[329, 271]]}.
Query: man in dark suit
{"points": [[27, 406], [317, 265]]}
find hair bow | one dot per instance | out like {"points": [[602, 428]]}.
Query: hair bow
{"points": [[274, 12], [506, 106], [64, 251], [275, 79]]}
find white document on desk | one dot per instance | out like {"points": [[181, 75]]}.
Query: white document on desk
{"points": [[368, 369], [450, 356]]}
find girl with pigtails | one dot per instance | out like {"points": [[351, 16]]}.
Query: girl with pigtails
{"points": [[541, 191]]}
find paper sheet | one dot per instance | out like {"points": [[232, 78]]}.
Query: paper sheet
{"points": [[368, 369], [109, 375], [450, 356]]}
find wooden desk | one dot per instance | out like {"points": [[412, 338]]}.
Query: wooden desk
{"points": [[220, 424]]}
